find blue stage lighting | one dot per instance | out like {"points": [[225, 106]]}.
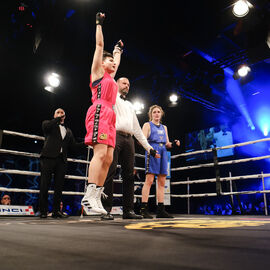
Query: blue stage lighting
{"points": [[234, 90], [263, 120]]}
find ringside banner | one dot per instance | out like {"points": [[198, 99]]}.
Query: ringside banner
{"points": [[16, 210]]}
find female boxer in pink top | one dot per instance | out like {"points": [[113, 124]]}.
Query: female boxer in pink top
{"points": [[100, 118]]}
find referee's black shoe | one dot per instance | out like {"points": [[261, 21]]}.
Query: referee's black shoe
{"points": [[131, 215], [59, 214], [108, 216]]}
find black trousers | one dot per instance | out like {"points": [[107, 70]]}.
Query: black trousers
{"points": [[49, 166], [124, 155]]}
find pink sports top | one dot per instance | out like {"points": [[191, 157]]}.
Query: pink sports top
{"points": [[104, 90]]}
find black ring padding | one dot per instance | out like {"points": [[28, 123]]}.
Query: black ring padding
{"points": [[217, 172]]}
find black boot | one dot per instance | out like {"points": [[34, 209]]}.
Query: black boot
{"points": [[144, 211], [161, 212]]}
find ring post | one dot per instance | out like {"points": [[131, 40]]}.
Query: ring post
{"points": [[86, 174], [188, 198], [264, 196], [217, 171], [231, 188]]}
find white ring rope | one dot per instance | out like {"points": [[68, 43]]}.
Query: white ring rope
{"points": [[34, 155], [243, 160], [37, 191], [8, 132], [64, 192], [220, 163], [220, 148], [206, 165], [30, 173], [222, 193], [20, 172], [213, 180], [139, 155]]}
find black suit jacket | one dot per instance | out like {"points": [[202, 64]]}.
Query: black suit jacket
{"points": [[54, 142]]}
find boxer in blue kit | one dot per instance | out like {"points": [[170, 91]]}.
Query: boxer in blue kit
{"points": [[157, 136]]}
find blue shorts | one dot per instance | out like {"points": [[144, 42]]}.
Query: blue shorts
{"points": [[157, 165]]}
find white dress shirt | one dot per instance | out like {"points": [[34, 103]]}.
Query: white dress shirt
{"points": [[127, 121], [63, 132]]}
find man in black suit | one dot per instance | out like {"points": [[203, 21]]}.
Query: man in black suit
{"points": [[53, 160]]}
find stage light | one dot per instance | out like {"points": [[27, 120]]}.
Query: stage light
{"points": [[53, 80], [241, 8], [233, 88], [173, 98], [263, 119], [138, 107], [243, 71], [49, 88]]}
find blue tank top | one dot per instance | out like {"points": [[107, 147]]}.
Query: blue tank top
{"points": [[158, 134]]}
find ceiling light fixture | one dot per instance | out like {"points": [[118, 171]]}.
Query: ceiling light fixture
{"points": [[241, 8]]}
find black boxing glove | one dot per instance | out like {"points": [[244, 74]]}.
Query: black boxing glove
{"points": [[119, 46], [153, 152], [99, 18], [174, 145]]}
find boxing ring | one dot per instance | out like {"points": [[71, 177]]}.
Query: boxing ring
{"points": [[185, 242], [35, 155], [216, 164]]}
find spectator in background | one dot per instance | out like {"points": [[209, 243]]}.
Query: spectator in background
{"points": [[261, 209], [202, 139], [228, 209], [6, 200]]}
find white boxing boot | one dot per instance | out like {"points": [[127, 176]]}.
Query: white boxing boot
{"points": [[89, 202], [98, 199]]}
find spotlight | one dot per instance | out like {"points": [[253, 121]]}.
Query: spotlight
{"points": [[241, 72], [173, 98], [138, 107], [241, 8], [53, 80]]}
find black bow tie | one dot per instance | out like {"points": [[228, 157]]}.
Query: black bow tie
{"points": [[62, 125], [123, 97]]}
